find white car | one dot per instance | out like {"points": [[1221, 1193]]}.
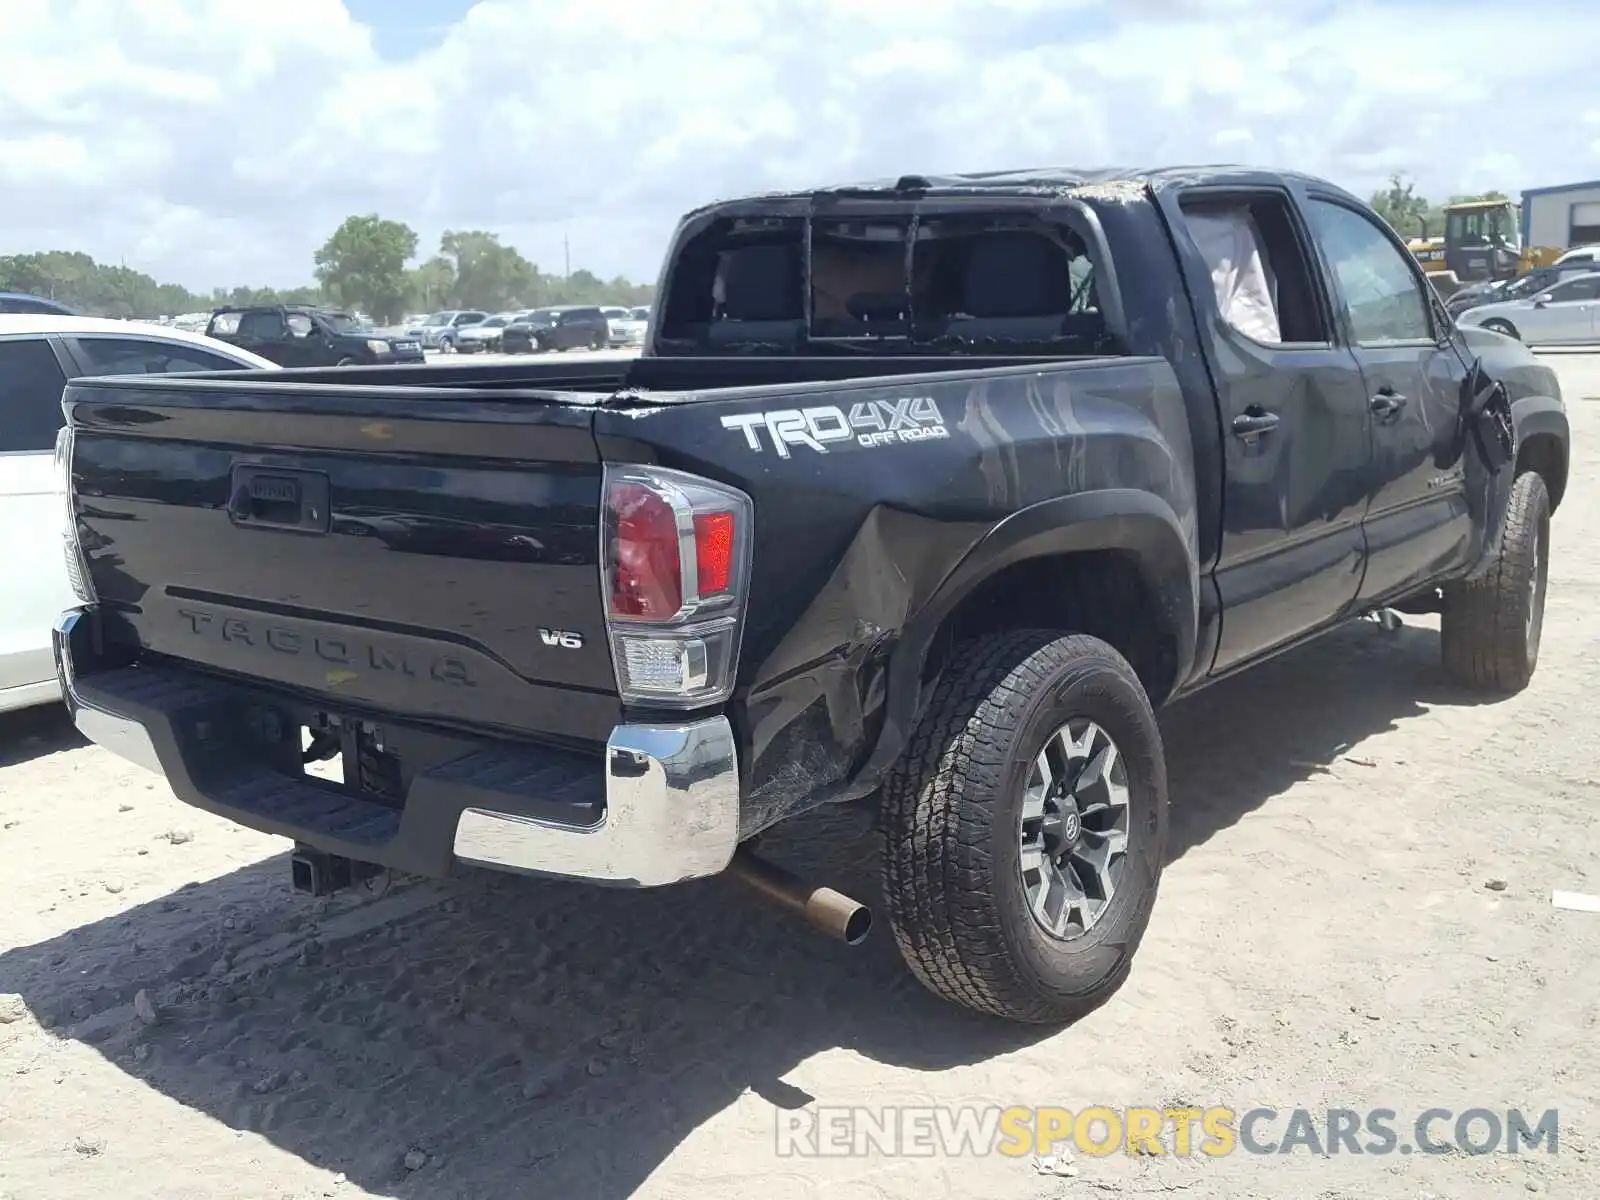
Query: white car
{"points": [[1564, 314], [485, 335], [1579, 254], [629, 330], [38, 354]]}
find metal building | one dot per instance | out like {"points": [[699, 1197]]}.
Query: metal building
{"points": [[1561, 216]]}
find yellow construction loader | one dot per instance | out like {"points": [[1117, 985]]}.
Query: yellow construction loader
{"points": [[1482, 240]]}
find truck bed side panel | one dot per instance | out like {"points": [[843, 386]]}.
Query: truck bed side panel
{"points": [[855, 535]]}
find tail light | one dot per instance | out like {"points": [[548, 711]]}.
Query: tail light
{"points": [[77, 568], [675, 552]]}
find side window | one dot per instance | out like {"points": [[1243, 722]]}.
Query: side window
{"points": [[30, 396], [1381, 290], [300, 325], [1260, 271], [1585, 287], [136, 356], [224, 324], [265, 325]]}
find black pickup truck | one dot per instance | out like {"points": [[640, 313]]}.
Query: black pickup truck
{"points": [[925, 494], [309, 337]]}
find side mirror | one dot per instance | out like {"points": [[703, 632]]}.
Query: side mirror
{"points": [[1542, 299]]}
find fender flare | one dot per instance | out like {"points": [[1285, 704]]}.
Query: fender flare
{"points": [[1544, 417], [1138, 523]]}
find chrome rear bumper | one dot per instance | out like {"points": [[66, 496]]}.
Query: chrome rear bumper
{"points": [[663, 804]]}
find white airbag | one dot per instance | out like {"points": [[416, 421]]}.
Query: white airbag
{"points": [[1227, 241]]}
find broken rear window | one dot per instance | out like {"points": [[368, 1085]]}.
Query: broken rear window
{"points": [[995, 283]]}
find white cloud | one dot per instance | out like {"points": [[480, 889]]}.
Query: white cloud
{"points": [[218, 142]]}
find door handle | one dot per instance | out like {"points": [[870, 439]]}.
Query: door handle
{"points": [[1253, 421], [1387, 403]]}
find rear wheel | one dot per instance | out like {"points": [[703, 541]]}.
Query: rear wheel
{"points": [[599, 341], [1501, 326], [1025, 827], [1491, 626]]}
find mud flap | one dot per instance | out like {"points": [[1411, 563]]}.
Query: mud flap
{"points": [[1488, 444]]}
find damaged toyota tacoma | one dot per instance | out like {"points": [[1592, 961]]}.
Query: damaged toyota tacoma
{"points": [[925, 494]]}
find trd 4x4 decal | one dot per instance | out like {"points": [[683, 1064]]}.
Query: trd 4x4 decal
{"points": [[869, 423]]}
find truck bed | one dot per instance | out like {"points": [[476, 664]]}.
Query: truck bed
{"points": [[393, 537]]}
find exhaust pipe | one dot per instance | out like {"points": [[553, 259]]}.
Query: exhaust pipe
{"points": [[834, 914]]}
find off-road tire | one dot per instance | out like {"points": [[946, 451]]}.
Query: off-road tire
{"points": [[1496, 325], [1484, 629], [950, 814]]}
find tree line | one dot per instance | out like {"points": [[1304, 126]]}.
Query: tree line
{"points": [[1412, 215], [370, 263], [365, 265]]}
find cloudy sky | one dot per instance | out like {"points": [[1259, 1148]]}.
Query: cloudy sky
{"points": [[220, 141]]}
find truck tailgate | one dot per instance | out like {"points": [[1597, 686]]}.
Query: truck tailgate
{"points": [[369, 546]]}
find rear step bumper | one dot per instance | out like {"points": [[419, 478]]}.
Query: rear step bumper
{"points": [[661, 807]]}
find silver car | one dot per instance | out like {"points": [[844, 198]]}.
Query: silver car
{"points": [[442, 330], [1564, 314]]}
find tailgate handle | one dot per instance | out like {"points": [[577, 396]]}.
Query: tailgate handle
{"points": [[269, 498]]}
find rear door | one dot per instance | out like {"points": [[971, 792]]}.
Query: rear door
{"points": [[307, 343], [1563, 314], [32, 510], [1297, 443], [102, 355], [262, 331], [1418, 524]]}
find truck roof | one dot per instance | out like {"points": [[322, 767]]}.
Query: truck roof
{"points": [[1104, 183]]}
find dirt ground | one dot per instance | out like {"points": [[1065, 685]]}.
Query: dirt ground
{"points": [[1357, 913]]}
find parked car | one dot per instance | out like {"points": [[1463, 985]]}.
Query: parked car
{"points": [[22, 302], [1536, 280], [562, 327], [1579, 254], [1566, 313], [485, 335], [38, 354], [1041, 452], [1473, 295], [308, 337], [442, 330], [628, 330]]}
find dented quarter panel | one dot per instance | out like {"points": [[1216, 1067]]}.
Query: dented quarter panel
{"points": [[856, 545]]}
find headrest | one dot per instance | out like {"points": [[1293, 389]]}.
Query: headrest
{"points": [[762, 283], [1015, 275]]}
